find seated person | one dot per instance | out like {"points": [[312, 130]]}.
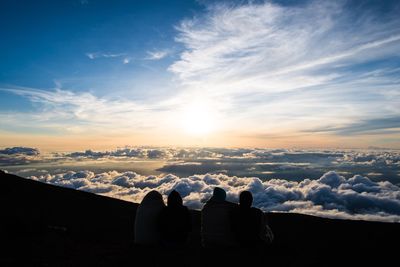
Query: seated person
{"points": [[249, 224], [148, 213], [216, 221], [175, 222]]}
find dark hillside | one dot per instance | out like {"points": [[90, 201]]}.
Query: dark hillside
{"points": [[46, 225]]}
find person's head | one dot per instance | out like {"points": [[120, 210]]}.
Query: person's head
{"points": [[174, 199], [153, 197], [219, 194], [245, 199]]}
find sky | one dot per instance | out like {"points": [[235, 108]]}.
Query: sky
{"points": [[280, 74]]}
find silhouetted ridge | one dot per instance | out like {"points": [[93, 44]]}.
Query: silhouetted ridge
{"points": [[46, 225]]}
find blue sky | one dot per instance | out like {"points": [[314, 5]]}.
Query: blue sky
{"points": [[229, 73], [48, 41]]}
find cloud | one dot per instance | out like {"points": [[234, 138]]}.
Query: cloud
{"points": [[20, 150], [289, 164], [78, 112], [386, 125], [104, 55], [261, 69], [292, 66], [247, 40], [330, 196], [91, 55], [157, 55], [150, 153], [18, 156], [280, 179]]}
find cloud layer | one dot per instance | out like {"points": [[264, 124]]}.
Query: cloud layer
{"points": [[288, 164], [280, 179], [19, 155], [331, 195], [20, 150]]}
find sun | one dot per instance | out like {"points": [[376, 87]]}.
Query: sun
{"points": [[198, 119]]}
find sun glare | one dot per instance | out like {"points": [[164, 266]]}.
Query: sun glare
{"points": [[198, 119]]}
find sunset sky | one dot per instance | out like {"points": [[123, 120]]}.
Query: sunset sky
{"points": [[101, 74]]}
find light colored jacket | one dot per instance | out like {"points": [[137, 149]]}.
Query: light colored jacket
{"points": [[148, 213]]}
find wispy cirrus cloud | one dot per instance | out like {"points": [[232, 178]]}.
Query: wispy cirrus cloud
{"points": [[371, 126], [293, 67], [260, 41], [157, 55], [80, 111], [259, 71], [104, 55], [96, 55]]}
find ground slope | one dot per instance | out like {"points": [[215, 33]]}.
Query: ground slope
{"points": [[46, 225]]}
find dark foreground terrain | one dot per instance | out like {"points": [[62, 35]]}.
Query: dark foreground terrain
{"points": [[45, 225]]}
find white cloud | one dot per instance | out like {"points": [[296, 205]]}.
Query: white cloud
{"points": [[259, 69], [289, 164], [79, 112], [290, 66], [103, 55], [157, 55], [330, 196], [91, 55], [263, 41]]}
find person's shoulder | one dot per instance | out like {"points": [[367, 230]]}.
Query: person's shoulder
{"points": [[211, 202], [185, 209], [230, 204], [257, 211]]}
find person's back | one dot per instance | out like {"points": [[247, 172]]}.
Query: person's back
{"points": [[249, 224], [175, 221], [216, 221], [148, 213]]}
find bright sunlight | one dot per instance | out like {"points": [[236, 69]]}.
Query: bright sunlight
{"points": [[198, 118]]}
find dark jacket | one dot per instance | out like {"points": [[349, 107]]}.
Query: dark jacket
{"points": [[175, 221], [216, 224], [250, 227]]}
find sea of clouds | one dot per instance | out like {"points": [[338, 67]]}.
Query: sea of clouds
{"points": [[331, 195], [339, 191]]}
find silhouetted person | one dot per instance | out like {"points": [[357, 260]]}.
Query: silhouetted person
{"points": [[216, 221], [175, 222], [148, 213], [249, 224]]}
